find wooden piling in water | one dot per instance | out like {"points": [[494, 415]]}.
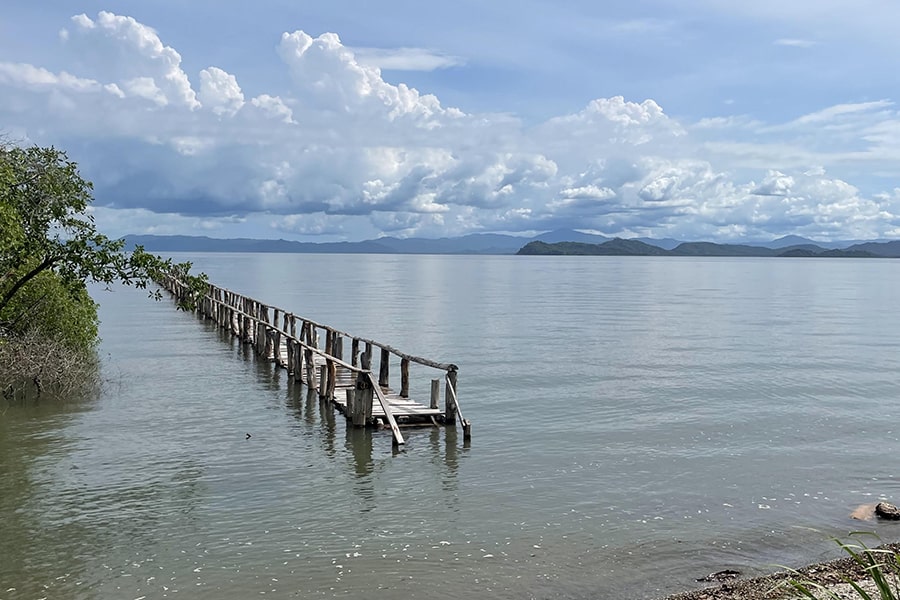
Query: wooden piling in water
{"points": [[404, 378], [435, 392]]}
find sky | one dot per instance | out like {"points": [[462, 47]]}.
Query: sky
{"points": [[348, 120]]}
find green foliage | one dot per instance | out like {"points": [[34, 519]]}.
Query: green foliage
{"points": [[52, 309], [880, 565], [50, 249]]}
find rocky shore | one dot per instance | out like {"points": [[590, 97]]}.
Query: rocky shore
{"points": [[833, 574]]}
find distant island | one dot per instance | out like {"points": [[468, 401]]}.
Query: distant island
{"points": [[558, 242], [626, 247]]}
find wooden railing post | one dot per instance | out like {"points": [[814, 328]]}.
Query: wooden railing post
{"points": [[290, 365], [384, 366], [449, 404], [363, 395], [337, 346], [262, 326], [246, 332], [276, 338], [404, 378], [354, 351], [310, 369]]}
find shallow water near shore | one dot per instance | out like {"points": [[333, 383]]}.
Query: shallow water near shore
{"points": [[638, 422]]}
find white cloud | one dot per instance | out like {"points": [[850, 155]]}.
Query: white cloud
{"points": [[794, 43], [120, 48], [220, 91], [273, 106], [833, 113], [344, 153], [405, 59], [775, 184]]}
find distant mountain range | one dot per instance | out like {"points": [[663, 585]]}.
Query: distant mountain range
{"points": [[623, 247], [476, 243], [561, 241]]}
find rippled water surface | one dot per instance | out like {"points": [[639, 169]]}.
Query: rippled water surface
{"points": [[638, 423]]}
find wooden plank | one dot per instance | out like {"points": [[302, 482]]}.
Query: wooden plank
{"points": [[386, 407]]}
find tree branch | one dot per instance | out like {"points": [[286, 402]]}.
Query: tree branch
{"points": [[43, 266]]}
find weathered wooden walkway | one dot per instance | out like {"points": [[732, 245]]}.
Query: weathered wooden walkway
{"points": [[293, 343]]}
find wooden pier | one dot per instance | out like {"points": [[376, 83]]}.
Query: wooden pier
{"points": [[293, 343]]}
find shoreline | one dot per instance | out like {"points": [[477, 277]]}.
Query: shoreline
{"points": [[832, 574]]}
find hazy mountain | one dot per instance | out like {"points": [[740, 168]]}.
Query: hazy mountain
{"points": [[621, 247], [888, 249], [569, 235], [664, 243], [187, 243], [711, 249], [491, 243], [476, 243], [787, 241], [614, 247]]}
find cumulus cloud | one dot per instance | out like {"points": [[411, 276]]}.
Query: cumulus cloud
{"points": [[220, 91], [345, 154], [775, 184], [794, 43], [132, 53], [405, 59]]}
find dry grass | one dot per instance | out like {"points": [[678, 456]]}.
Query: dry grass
{"points": [[33, 366]]}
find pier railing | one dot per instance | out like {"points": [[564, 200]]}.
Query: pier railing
{"points": [[293, 343]]}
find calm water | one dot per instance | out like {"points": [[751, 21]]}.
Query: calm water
{"points": [[638, 423]]}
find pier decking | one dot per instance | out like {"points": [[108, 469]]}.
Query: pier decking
{"points": [[293, 343]]}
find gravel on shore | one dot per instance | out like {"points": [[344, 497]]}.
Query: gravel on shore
{"points": [[832, 574]]}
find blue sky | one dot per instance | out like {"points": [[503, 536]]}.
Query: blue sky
{"points": [[697, 119]]}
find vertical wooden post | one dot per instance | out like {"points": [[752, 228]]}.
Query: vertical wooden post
{"points": [[310, 370], [337, 346], [329, 341], [351, 398], [298, 361], [332, 378], [271, 334], [435, 392], [384, 367], [323, 380], [236, 317], [267, 350], [363, 395], [276, 338], [230, 311], [404, 378], [368, 354], [354, 350], [449, 404], [246, 327], [289, 365]]}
